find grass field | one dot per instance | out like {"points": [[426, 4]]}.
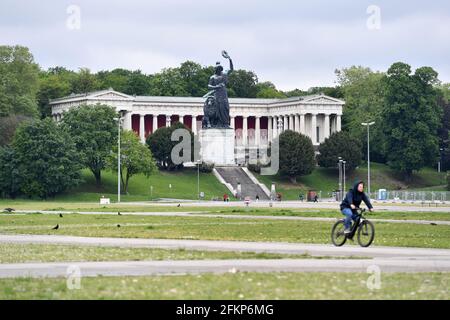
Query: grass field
{"points": [[326, 180], [183, 186], [26, 253], [236, 286], [387, 234]]}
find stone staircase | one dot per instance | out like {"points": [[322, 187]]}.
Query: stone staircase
{"points": [[235, 175]]}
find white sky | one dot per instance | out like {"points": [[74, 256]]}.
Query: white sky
{"points": [[294, 44]]}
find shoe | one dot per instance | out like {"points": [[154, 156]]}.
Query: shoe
{"points": [[347, 231]]}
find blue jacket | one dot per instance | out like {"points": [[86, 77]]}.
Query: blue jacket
{"points": [[355, 197]]}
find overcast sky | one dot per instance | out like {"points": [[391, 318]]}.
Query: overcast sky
{"points": [[294, 44]]}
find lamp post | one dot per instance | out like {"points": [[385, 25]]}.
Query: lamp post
{"points": [[340, 178], [119, 120], [368, 124], [198, 178], [440, 159], [343, 166]]}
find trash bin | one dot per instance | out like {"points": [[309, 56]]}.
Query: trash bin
{"points": [[382, 194]]}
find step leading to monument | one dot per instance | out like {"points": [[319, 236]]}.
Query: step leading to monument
{"points": [[249, 188]]}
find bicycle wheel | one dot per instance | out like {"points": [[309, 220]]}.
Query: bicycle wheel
{"points": [[337, 233], [366, 233]]}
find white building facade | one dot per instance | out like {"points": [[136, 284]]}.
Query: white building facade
{"points": [[255, 121]]}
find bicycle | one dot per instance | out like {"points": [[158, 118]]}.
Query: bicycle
{"points": [[363, 227]]}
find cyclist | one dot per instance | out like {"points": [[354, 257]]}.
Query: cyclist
{"points": [[351, 202]]}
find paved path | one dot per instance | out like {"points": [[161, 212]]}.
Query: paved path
{"points": [[397, 206], [140, 268], [388, 259], [229, 216]]}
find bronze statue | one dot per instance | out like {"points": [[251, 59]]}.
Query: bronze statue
{"points": [[216, 109]]}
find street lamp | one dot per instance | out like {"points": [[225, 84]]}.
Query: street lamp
{"points": [[340, 177], [368, 124], [345, 190], [440, 159], [119, 121], [198, 178]]}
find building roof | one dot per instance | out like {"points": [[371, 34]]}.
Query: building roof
{"points": [[110, 93]]}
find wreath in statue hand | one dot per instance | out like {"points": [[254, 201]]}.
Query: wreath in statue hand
{"points": [[225, 54]]}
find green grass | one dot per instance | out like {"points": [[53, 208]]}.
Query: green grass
{"points": [[26, 253], [235, 286], [184, 186], [326, 180], [388, 234]]}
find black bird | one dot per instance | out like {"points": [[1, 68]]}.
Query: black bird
{"points": [[179, 205], [9, 209], [118, 213], [60, 215], [118, 226], [56, 227], [433, 224]]}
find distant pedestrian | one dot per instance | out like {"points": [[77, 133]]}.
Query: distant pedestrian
{"points": [[316, 198], [257, 198]]}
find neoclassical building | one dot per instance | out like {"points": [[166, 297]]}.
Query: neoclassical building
{"points": [[255, 120]]}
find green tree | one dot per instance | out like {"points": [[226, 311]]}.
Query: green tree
{"points": [[135, 158], [411, 118], [296, 154], [18, 81], [161, 145], [340, 144], [363, 93], [85, 82], [242, 84], [10, 178], [51, 86], [268, 90], [94, 131], [47, 159], [8, 126]]}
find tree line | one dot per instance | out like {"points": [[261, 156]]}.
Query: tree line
{"points": [[411, 110]]}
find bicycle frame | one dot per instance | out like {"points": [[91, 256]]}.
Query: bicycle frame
{"points": [[356, 223]]}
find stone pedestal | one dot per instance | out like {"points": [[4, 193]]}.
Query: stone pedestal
{"points": [[217, 146]]}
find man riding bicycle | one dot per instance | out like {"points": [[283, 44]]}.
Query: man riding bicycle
{"points": [[351, 202]]}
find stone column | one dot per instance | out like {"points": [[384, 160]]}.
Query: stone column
{"points": [[244, 131], [297, 123], [326, 127], [285, 123], [155, 123], [291, 122], [302, 124], [194, 124], [269, 129], [257, 130], [314, 128], [127, 121], [181, 119], [232, 122], [338, 123], [142, 128], [168, 120]]}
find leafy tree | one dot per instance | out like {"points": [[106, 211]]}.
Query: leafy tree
{"points": [[296, 154], [169, 82], [135, 158], [10, 178], [363, 93], [137, 84], [51, 86], [18, 81], [411, 118], [47, 159], [444, 134], [94, 131], [161, 145], [85, 82], [8, 126], [268, 90], [242, 84], [340, 144]]}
